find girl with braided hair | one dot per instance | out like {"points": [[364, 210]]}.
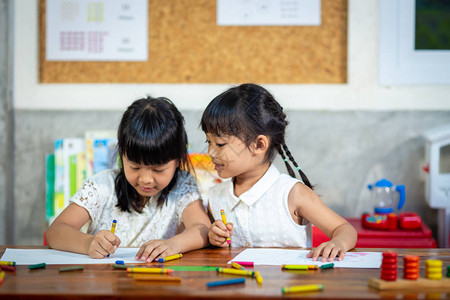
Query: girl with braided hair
{"points": [[245, 129]]}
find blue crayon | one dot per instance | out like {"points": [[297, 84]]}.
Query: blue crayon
{"points": [[120, 262], [225, 282]]}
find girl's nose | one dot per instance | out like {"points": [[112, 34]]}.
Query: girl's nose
{"points": [[211, 152], [146, 177]]}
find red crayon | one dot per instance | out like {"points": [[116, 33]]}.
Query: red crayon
{"points": [[245, 263], [8, 268]]}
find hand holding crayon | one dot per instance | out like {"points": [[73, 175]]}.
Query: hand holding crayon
{"points": [[224, 220]]}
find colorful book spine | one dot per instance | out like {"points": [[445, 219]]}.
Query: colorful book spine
{"points": [[49, 187]]}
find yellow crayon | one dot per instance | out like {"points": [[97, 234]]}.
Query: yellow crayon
{"points": [[302, 288], [224, 220], [258, 277], [235, 272], [7, 263], [300, 267], [113, 229], [113, 226], [237, 266], [2, 276], [149, 270], [145, 277], [171, 257]]}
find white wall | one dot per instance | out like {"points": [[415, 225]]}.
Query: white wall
{"points": [[362, 92]]}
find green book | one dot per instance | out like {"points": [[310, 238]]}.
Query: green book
{"points": [[49, 186]]}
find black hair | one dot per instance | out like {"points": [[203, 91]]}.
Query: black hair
{"points": [[151, 132], [246, 111]]}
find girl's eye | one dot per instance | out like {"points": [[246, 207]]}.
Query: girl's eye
{"points": [[158, 171], [208, 142], [134, 168], [220, 145]]}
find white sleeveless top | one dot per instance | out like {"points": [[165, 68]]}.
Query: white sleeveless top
{"points": [[98, 196], [261, 215]]}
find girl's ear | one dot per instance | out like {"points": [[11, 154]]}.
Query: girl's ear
{"points": [[261, 144]]}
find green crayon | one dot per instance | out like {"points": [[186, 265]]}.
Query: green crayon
{"points": [[327, 266], [37, 266], [71, 268]]}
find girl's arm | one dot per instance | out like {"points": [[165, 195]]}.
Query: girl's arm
{"points": [[195, 236], [64, 234], [304, 203]]}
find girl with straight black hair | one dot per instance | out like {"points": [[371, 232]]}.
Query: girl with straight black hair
{"points": [[153, 197]]}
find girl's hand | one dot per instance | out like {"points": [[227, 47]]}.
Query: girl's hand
{"points": [[219, 232], [329, 251], [156, 249], [103, 243]]}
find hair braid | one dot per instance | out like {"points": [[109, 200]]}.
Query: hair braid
{"points": [[288, 167], [302, 175]]}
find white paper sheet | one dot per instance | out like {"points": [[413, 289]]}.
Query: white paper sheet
{"points": [[263, 256], [100, 30], [56, 257], [268, 13]]}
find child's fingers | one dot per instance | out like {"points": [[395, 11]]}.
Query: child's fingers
{"points": [[157, 251], [219, 224]]}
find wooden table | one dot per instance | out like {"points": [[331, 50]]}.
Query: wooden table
{"points": [[102, 281]]}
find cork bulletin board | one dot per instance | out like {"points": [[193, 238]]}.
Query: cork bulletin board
{"points": [[186, 46]]}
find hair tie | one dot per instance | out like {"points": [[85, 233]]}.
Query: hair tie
{"points": [[298, 168]]}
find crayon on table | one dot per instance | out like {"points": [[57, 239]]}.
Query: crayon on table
{"points": [[149, 270], [119, 266], [327, 266], [7, 263], [171, 257], [225, 282], [258, 277], [71, 268], [302, 288], [2, 276], [224, 220], [245, 263], [37, 266], [8, 268], [294, 267], [235, 272], [145, 277], [113, 229], [237, 266], [120, 262]]}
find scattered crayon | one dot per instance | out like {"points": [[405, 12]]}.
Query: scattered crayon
{"points": [[7, 263], [224, 220], [327, 266], [258, 277], [448, 271], [237, 266], [37, 266], [302, 288], [300, 267], [145, 277], [235, 272], [8, 268], [149, 270], [171, 257], [245, 263], [120, 262], [71, 268], [2, 276], [225, 282], [119, 266]]}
